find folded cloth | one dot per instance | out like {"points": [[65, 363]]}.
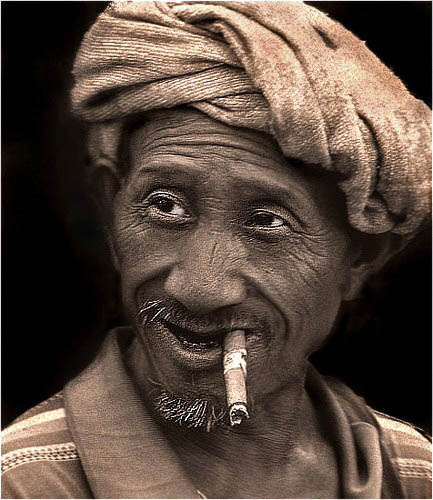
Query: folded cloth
{"points": [[280, 67]]}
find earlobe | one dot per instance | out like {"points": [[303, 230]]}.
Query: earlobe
{"points": [[358, 276], [107, 185], [113, 253], [374, 251]]}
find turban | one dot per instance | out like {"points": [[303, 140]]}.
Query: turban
{"points": [[283, 68]]}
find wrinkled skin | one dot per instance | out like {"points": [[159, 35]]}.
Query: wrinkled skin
{"points": [[217, 220]]}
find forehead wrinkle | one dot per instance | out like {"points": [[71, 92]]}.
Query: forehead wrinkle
{"points": [[254, 180], [272, 175], [197, 141], [231, 145], [194, 128], [210, 150]]}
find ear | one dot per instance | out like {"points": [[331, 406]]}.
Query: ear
{"points": [[106, 184], [371, 255]]}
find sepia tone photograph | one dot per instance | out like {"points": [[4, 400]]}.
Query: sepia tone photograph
{"points": [[216, 249]]}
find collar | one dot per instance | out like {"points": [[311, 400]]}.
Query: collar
{"points": [[350, 428], [123, 452]]}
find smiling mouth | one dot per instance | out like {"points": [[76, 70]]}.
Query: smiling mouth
{"points": [[197, 341]]}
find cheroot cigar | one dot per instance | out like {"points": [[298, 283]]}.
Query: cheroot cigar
{"points": [[235, 375]]}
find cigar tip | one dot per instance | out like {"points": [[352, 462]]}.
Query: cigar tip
{"points": [[238, 412]]}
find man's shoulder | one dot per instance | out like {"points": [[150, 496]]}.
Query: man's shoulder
{"points": [[39, 456], [38, 434], [408, 440], [410, 452]]}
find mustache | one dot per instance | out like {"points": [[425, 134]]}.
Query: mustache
{"points": [[151, 310], [234, 317]]}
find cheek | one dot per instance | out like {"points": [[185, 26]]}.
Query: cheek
{"points": [[306, 279], [141, 256]]}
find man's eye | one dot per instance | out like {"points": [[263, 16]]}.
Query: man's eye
{"points": [[265, 219], [167, 204]]}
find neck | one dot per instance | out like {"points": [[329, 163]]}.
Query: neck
{"points": [[236, 461], [272, 431], [264, 457]]}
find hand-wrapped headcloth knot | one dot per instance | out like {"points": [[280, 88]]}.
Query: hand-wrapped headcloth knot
{"points": [[279, 67]]}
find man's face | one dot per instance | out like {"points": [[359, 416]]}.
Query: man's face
{"points": [[224, 233]]}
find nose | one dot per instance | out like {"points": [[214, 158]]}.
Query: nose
{"points": [[208, 274]]}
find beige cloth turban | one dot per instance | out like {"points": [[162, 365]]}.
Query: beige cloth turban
{"points": [[280, 67]]}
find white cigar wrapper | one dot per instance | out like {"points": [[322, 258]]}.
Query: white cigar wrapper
{"points": [[235, 374]]}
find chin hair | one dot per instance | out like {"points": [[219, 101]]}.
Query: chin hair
{"points": [[191, 413]]}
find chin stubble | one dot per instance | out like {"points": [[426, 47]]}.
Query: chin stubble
{"points": [[195, 413], [201, 413]]}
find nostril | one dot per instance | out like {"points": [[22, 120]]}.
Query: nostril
{"points": [[199, 294]]}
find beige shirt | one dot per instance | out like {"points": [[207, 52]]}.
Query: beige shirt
{"points": [[96, 439]]}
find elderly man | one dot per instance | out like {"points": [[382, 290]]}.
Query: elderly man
{"points": [[255, 164]]}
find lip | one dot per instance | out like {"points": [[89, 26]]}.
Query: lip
{"points": [[196, 339], [191, 358], [176, 349]]}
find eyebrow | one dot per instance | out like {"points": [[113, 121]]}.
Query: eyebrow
{"points": [[162, 171], [170, 169]]}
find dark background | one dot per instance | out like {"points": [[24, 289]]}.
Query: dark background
{"points": [[59, 292]]}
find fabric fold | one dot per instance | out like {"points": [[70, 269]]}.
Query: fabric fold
{"points": [[123, 452]]}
